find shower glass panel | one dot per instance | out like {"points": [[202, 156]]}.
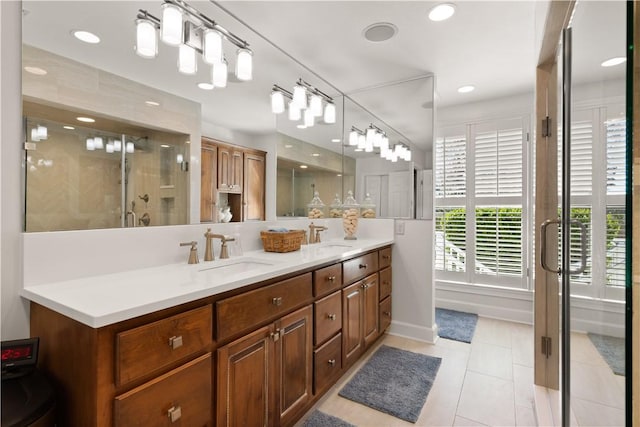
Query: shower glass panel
{"points": [[80, 178], [593, 193]]}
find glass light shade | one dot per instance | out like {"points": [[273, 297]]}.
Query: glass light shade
{"points": [[294, 112], [368, 147], [130, 147], [383, 152], [330, 113], [370, 133], [353, 138], [171, 26], [244, 65], [212, 49], [179, 158], [315, 105], [117, 145], [277, 102], [362, 141], [384, 143], [394, 156], [98, 142], [41, 131], [377, 139], [308, 117], [90, 145], [407, 156], [34, 135], [146, 38], [109, 147], [300, 96], [220, 74], [187, 60]]}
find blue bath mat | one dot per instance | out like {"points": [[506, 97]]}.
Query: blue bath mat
{"points": [[456, 325]]}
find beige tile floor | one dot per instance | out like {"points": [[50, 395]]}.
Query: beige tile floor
{"points": [[489, 382]]}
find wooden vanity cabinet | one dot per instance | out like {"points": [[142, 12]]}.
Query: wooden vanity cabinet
{"points": [[254, 187], [265, 377], [230, 168], [208, 182], [360, 305]]}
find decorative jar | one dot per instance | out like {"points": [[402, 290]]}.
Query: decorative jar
{"points": [[335, 208], [315, 208], [350, 215], [367, 208]]}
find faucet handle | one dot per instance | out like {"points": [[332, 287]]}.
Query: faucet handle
{"points": [[193, 252]]}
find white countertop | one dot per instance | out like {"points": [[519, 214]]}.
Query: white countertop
{"points": [[99, 301]]}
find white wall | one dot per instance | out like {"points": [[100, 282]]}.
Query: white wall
{"points": [[14, 323]]}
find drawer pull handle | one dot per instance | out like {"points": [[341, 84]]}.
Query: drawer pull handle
{"points": [[332, 362], [175, 342], [277, 301], [387, 313], [275, 336], [386, 282], [362, 266], [331, 278], [365, 286], [174, 413], [385, 257], [331, 316]]}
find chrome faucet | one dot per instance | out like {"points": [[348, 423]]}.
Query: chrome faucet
{"points": [[224, 252], [193, 252], [314, 232]]}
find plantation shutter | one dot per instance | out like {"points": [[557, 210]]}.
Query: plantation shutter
{"points": [[616, 157], [451, 168], [450, 239], [498, 163]]}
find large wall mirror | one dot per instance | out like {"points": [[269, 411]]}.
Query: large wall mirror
{"points": [[138, 164]]}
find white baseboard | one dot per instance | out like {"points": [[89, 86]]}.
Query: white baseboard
{"points": [[415, 332]]}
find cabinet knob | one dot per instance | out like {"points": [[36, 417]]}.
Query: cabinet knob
{"points": [[275, 336], [361, 266], [174, 413], [387, 313], [331, 278], [331, 316], [175, 342], [332, 362], [365, 286], [277, 301]]}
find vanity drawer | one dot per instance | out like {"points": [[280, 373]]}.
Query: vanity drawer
{"points": [[145, 349], [384, 257], [327, 363], [327, 279], [249, 310], [385, 283], [327, 317], [385, 314], [360, 267], [181, 396]]}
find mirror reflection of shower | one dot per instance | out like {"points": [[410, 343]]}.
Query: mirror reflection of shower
{"points": [[78, 177]]}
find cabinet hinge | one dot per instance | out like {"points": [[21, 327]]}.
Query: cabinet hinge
{"points": [[546, 127], [546, 346]]}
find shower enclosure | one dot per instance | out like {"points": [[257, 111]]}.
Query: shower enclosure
{"points": [[80, 177]]}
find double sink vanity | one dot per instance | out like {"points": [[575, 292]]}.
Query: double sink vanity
{"points": [[250, 340]]}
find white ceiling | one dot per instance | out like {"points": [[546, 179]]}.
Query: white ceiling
{"points": [[488, 44]]}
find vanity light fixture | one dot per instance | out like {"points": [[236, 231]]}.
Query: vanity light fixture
{"points": [[68, 127], [89, 144], [130, 147], [117, 145], [179, 158], [39, 133], [304, 97], [85, 119], [193, 32], [98, 142], [109, 147]]}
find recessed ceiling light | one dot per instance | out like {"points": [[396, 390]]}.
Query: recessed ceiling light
{"points": [[316, 154], [303, 166], [85, 119], [301, 126], [339, 174], [35, 70], [614, 61], [68, 127], [288, 146], [442, 12], [379, 32], [466, 89], [85, 36], [152, 103], [205, 86], [359, 149], [164, 145], [335, 140]]}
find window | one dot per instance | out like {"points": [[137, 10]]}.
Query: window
{"points": [[479, 198]]}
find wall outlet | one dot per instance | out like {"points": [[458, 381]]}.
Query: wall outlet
{"points": [[399, 227]]}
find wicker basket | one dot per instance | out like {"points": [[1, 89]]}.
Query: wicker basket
{"points": [[282, 241]]}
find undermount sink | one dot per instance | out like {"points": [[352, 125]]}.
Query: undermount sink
{"points": [[234, 267], [334, 245]]}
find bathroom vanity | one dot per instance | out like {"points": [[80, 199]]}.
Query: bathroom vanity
{"points": [[254, 340]]}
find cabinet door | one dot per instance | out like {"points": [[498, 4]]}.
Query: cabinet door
{"points": [[254, 187], [370, 309], [352, 341], [245, 367], [294, 355], [236, 171], [208, 183], [224, 168]]}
